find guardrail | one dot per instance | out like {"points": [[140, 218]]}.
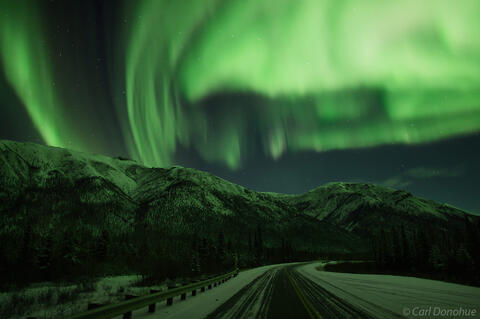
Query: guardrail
{"points": [[132, 303]]}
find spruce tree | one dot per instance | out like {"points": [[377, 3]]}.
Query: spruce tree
{"points": [[383, 251], [221, 251], [101, 247], [406, 262], [396, 250], [44, 256]]}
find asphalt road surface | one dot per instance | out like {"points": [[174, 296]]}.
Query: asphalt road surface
{"points": [[301, 291], [283, 292]]}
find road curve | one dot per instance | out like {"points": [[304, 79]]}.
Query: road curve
{"points": [[300, 291], [388, 296], [283, 292]]}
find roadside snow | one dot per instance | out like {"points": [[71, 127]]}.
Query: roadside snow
{"points": [[386, 296], [53, 300], [204, 302]]}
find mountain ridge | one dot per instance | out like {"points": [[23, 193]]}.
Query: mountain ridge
{"points": [[62, 211], [99, 161], [47, 188]]}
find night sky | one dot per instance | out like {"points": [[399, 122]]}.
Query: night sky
{"points": [[274, 95]]}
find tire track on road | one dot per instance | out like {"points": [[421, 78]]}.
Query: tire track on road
{"points": [[327, 304], [284, 292], [366, 310], [250, 302]]}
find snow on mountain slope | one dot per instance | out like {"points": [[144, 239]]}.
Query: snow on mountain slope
{"points": [[40, 164], [357, 206], [33, 176]]}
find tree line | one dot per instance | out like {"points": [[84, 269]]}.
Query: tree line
{"points": [[438, 254], [83, 251]]}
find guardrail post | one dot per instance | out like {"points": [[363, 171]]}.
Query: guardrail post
{"points": [[128, 315], [151, 308], [92, 305], [126, 308]]}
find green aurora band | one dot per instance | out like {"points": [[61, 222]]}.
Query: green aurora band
{"points": [[28, 69], [323, 74], [335, 74]]}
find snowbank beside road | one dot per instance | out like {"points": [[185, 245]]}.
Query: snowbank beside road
{"points": [[386, 296], [204, 302]]}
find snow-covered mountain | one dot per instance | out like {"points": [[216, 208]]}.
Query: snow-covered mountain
{"points": [[43, 185], [365, 207]]}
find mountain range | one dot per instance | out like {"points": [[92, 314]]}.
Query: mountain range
{"points": [[52, 189]]}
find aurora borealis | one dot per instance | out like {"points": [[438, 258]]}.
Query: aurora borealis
{"points": [[317, 62], [236, 84], [28, 71]]}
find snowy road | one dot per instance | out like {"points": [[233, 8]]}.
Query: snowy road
{"points": [[206, 302], [301, 291], [384, 296], [283, 292]]}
